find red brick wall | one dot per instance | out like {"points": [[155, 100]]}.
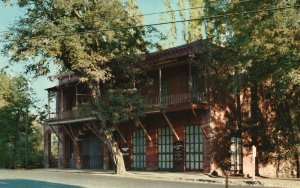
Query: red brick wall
{"points": [[179, 120], [151, 150]]}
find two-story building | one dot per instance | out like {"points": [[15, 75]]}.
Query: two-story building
{"points": [[175, 133]]}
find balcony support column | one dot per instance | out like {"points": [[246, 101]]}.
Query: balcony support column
{"points": [[190, 76], [159, 85], [76, 97], [70, 135], [119, 131], [201, 124], [49, 112], [144, 129], [76, 100], [61, 101], [93, 130], [56, 134], [170, 125]]}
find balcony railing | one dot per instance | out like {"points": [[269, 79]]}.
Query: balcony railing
{"points": [[81, 112], [181, 98], [154, 103]]}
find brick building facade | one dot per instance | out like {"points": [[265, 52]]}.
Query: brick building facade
{"points": [[177, 132]]}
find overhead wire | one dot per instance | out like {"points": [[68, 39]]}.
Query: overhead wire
{"points": [[163, 23], [176, 10]]}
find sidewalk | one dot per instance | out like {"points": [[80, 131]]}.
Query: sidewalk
{"points": [[192, 176]]}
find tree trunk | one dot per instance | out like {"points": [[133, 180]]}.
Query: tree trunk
{"points": [[106, 135], [13, 154], [115, 152]]}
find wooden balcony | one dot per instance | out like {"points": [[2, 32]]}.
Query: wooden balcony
{"points": [[177, 102], [82, 113]]}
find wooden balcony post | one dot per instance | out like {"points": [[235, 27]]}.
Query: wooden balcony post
{"points": [[170, 125], [76, 97], [159, 85], [56, 133], [144, 129], [49, 113], [61, 101], [76, 101], [190, 76], [120, 133]]}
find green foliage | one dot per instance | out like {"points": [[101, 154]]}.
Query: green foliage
{"points": [[15, 101], [81, 36], [190, 31], [98, 40], [262, 49], [266, 44], [119, 105]]}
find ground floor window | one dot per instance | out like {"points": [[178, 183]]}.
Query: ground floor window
{"points": [[139, 149], [236, 154], [193, 147], [165, 149]]}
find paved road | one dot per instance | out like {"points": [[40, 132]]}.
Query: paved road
{"points": [[69, 179]]}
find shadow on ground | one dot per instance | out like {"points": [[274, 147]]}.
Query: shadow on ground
{"points": [[24, 183], [83, 171]]}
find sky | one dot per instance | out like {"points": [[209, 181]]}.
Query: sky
{"points": [[8, 15]]}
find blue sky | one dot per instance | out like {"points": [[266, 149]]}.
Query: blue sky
{"points": [[9, 14]]}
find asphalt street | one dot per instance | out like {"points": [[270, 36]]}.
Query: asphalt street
{"points": [[66, 179]]}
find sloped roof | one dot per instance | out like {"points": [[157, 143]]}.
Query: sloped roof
{"points": [[193, 48]]}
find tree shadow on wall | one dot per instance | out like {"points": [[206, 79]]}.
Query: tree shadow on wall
{"points": [[220, 145], [24, 183]]}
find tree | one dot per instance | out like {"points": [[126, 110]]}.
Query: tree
{"points": [[98, 40], [264, 36], [15, 100], [266, 40], [189, 10]]}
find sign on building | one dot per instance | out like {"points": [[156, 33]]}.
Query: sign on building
{"points": [[178, 155]]}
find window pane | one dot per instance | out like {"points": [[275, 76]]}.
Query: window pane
{"points": [[193, 147], [197, 158], [139, 149]]}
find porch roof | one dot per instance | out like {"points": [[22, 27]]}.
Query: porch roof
{"points": [[63, 85]]}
